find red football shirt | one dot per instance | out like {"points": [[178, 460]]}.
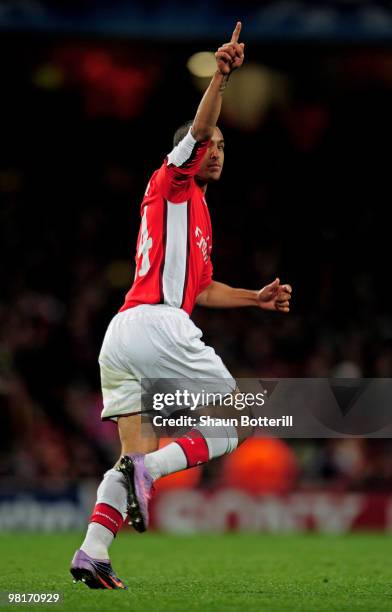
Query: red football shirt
{"points": [[173, 250]]}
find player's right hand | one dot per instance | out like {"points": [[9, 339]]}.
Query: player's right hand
{"points": [[230, 56]]}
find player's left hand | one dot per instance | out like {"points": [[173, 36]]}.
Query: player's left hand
{"points": [[275, 297]]}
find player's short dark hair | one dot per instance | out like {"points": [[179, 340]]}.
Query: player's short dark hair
{"points": [[181, 132]]}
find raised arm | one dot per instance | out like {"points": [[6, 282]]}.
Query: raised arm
{"points": [[182, 163], [229, 57]]}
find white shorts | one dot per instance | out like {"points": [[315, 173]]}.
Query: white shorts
{"points": [[153, 342]]}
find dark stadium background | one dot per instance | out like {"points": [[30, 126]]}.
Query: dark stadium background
{"points": [[86, 116]]}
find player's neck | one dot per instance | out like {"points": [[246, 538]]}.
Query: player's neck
{"points": [[201, 184]]}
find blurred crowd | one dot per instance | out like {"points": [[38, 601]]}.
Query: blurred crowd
{"points": [[303, 196]]}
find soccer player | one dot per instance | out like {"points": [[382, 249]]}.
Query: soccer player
{"points": [[153, 337]]}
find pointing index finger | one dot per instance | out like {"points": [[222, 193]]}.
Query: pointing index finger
{"points": [[236, 34]]}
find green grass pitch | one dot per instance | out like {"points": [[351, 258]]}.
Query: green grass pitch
{"points": [[210, 573]]}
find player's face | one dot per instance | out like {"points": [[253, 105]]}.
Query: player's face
{"points": [[212, 163]]}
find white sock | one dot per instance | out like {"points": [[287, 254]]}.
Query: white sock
{"points": [[221, 439], [165, 461], [111, 491], [171, 458], [97, 541]]}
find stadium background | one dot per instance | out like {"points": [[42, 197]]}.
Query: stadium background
{"points": [[91, 95]]}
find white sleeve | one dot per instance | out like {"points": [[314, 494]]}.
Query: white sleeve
{"points": [[184, 151]]}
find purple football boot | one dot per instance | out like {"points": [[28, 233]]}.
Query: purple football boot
{"points": [[140, 487], [95, 573]]}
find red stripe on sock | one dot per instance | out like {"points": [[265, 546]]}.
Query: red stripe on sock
{"points": [[195, 448], [107, 516]]}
